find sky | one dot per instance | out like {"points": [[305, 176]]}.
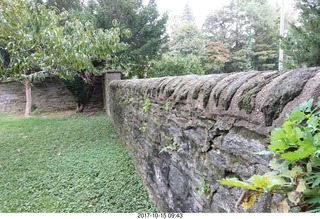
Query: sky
{"points": [[200, 8]]}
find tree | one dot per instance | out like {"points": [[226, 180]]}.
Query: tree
{"points": [[175, 64], [249, 29], [38, 45], [186, 50], [67, 5], [302, 44], [262, 40], [147, 26], [86, 13], [217, 54], [187, 15], [186, 39]]}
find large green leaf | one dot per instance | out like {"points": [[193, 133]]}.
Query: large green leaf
{"points": [[278, 146], [259, 182], [234, 182], [316, 140], [277, 134], [297, 117], [276, 181], [306, 149], [313, 122], [304, 107], [280, 167], [316, 182]]}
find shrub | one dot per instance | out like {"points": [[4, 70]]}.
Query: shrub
{"points": [[295, 166], [173, 65]]}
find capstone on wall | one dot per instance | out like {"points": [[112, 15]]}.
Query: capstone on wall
{"points": [[185, 133], [48, 95]]}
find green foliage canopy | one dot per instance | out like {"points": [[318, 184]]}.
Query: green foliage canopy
{"points": [[66, 4], [147, 26], [186, 49], [302, 44], [186, 39], [249, 30], [174, 64], [40, 40]]}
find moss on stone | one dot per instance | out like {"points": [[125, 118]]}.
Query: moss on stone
{"points": [[233, 87], [196, 91], [248, 97]]}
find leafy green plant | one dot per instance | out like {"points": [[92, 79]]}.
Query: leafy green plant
{"points": [[146, 105], [295, 166], [80, 89], [204, 187]]}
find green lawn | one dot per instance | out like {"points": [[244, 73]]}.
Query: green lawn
{"points": [[68, 164]]}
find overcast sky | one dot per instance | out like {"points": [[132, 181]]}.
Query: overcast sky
{"points": [[200, 8]]}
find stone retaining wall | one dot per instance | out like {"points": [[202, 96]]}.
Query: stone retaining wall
{"points": [[48, 95], [185, 133]]}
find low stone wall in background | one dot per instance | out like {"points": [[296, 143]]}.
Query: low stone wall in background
{"points": [[48, 95], [185, 133]]}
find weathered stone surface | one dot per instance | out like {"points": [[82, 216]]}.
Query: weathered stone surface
{"points": [[284, 92], [200, 129], [177, 181], [248, 96]]}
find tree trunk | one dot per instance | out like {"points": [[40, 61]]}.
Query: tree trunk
{"points": [[80, 107], [28, 98], [89, 87]]}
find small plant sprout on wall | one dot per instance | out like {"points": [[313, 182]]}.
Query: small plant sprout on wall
{"points": [[295, 167], [167, 105], [169, 148], [204, 188], [144, 127], [146, 105]]}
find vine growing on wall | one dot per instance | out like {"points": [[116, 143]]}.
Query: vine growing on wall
{"points": [[295, 167]]}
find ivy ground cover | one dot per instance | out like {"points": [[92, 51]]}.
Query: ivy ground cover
{"points": [[67, 164]]}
